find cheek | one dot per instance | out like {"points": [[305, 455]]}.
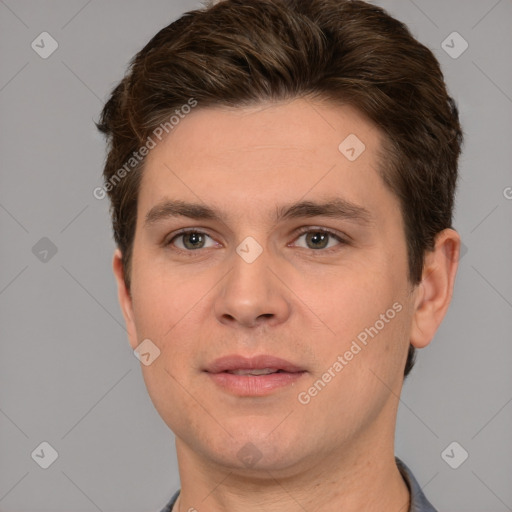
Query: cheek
{"points": [[355, 302], [170, 395], [162, 299], [361, 365], [369, 320]]}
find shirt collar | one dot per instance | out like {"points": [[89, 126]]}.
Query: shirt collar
{"points": [[419, 502]]}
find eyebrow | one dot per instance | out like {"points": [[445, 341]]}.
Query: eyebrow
{"points": [[335, 208]]}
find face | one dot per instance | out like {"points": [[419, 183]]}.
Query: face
{"points": [[296, 251]]}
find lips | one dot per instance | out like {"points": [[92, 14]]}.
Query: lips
{"points": [[257, 376], [257, 365]]}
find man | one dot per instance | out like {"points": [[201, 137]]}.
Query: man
{"points": [[282, 176]]}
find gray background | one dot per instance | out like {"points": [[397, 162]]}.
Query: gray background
{"points": [[67, 373]]}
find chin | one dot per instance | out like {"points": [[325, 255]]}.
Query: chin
{"points": [[256, 451]]}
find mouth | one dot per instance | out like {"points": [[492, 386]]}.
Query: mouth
{"points": [[256, 365], [255, 376], [256, 371]]}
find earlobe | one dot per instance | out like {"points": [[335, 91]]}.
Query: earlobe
{"points": [[435, 291], [124, 297]]}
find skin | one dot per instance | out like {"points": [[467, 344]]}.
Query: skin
{"points": [[295, 301]]}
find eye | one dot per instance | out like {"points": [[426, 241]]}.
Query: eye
{"points": [[315, 239], [190, 240], [319, 238]]}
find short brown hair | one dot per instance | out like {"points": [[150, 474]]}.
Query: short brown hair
{"points": [[239, 53]]}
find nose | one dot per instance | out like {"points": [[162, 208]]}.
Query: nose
{"points": [[251, 293]]}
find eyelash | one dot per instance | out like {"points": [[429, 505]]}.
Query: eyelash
{"points": [[305, 230]]}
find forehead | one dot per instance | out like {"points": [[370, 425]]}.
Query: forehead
{"points": [[297, 125], [273, 153]]}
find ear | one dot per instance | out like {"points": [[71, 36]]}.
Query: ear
{"points": [[124, 297], [434, 293]]}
